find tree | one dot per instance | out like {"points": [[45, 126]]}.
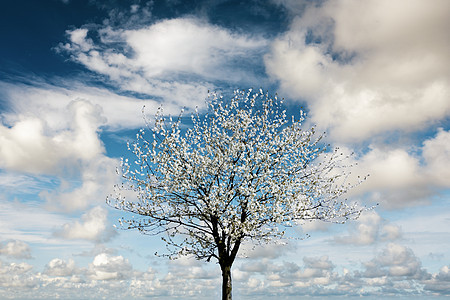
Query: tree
{"points": [[241, 172]]}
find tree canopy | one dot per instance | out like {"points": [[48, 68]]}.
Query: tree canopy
{"points": [[242, 171]]}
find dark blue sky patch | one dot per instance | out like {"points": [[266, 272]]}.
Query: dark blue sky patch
{"points": [[258, 17], [30, 29]]}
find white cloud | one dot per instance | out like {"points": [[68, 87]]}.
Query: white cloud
{"points": [[93, 227], [396, 267], [67, 147], [396, 261], [107, 267], [436, 152], [190, 268], [49, 103], [367, 68], [15, 248], [59, 267], [440, 282], [285, 278], [94, 183], [79, 41], [55, 135], [186, 45], [26, 183], [402, 176], [15, 268], [173, 59], [27, 147], [15, 276], [37, 228], [322, 263], [369, 229], [394, 168]]}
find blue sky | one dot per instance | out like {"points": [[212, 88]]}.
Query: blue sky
{"points": [[74, 76]]}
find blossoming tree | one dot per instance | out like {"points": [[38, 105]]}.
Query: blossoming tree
{"points": [[244, 171]]}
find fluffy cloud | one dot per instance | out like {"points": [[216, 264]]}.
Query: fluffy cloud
{"points": [[107, 267], [440, 282], [186, 278], [93, 227], [395, 269], [369, 229], [59, 267], [15, 276], [316, 270], [396, 261], [162, 59], [320, 263], [184, 46], [15, 248], [367, 68], [59, 139], [402, 176], [27, 147], [95, 181], [436, 152]]}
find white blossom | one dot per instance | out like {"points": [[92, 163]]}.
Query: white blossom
{"points": [[242, 171]]}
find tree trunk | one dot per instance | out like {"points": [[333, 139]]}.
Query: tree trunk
{"points": [[226, 282]]}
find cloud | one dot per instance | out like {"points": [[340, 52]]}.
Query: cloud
{"points": [[93, 227], [366, 69], [173, 59], [286, 278], [402, 176], [71, 152], [369, 229], [37, 228], [251, 250], [191, 269], [394, 270], [314, 225], [322, 263], [16, 276], [10, 182], [396, 261], [188, 45], [15, 249], [26, 147], [79, 40], [49, 103], [107, 267], [59, 267], [440, 282], [436, 152], [55, 136], [95, 181]]}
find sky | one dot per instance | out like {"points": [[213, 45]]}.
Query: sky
{"points": [[75, 75]]}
